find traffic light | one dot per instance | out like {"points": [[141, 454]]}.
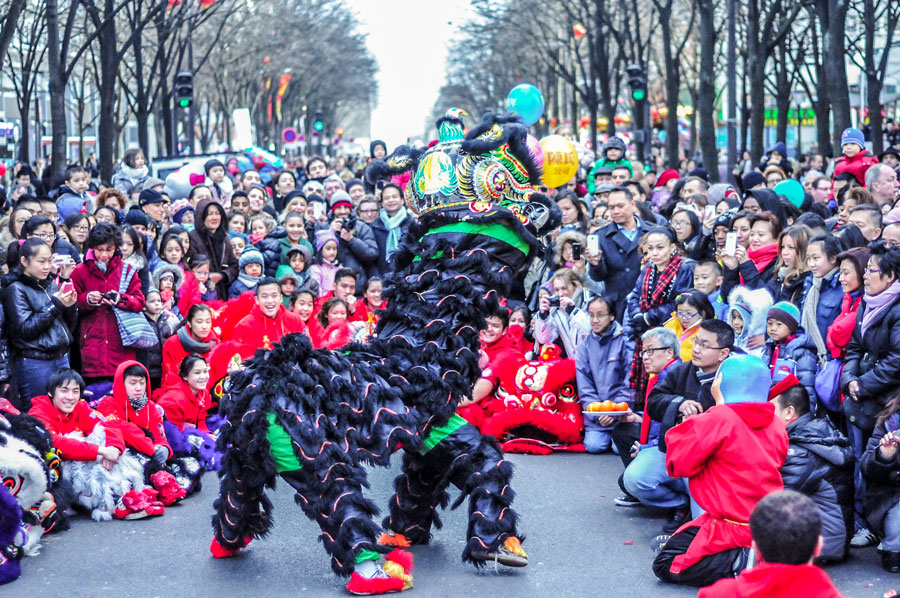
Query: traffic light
{"points": [[637, 81], [184, 89], [318, 124]]}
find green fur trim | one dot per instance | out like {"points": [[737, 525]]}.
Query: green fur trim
{"points": [[488, 229], [367, 555], [439, 433], [280, 446]]}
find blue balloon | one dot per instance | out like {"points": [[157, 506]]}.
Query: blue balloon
{"points": [[526, 101]]}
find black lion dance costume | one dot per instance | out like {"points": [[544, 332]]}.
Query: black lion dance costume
{"points": [[315, 416]]}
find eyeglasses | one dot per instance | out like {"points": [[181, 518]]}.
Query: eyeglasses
{"points": [[81, 229], [680, 224], [873, 271], [686, 315], [368, 211], [704, 346], [599, 316], [45, 236], [649, 352]]}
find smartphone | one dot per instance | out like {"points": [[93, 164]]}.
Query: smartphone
{"points": [[67, 287], [593, 244], [730, 244], [576, 251], [318, 210]]}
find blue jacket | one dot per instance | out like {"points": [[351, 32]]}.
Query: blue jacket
{"points": [[797, 357], [830, 297], [719, 304], [620, 263], [600, 370]]}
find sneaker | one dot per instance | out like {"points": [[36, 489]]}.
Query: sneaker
{"points": [[626, 500], [510, 554], [677, 517], [890, 561], [657, 543], [863, 538]]}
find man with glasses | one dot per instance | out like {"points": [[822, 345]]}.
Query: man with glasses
{"points": [[821, 190], [684, 393], [367, 210], [600, 367]]}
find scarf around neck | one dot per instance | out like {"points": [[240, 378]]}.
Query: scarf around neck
{"points": [[876, 305], [138, 403], [808, 317], [192, 345], [392, 223], [135, 174], [763, 256]]}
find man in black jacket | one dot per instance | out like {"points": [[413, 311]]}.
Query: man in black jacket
{"points": [[357, 248], [618, 263], [819, 464]]}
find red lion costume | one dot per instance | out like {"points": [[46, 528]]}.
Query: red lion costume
{"points": [[535, 408]]}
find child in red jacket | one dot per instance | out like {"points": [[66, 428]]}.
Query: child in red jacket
{"points": [[786, 528], [856, 159], [731, 456]]}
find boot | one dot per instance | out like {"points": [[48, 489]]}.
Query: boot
{"points": [[890, 561]]}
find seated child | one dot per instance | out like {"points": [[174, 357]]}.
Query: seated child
{"points": [[747, 311], [789, 350], [251, 266], [786, 530], [708, 280], [199, 265]]}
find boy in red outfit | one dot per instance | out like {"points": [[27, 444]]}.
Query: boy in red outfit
{"points": [[856, 160], [732, 456], [268, 321], [786, 528]]}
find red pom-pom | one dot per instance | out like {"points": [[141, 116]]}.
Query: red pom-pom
{"points": [[402, 558], [365, 586]]}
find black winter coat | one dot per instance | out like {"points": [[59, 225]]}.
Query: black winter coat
{"points": [[680, 385], [620, 264], [39, 326], [383, 267], [882, 477], [359, 253], [872, 360], [819, 464], [753, 279], [270, 247]]}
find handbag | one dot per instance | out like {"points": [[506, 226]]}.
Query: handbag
{"points": [[134, 329], [828, 385]]}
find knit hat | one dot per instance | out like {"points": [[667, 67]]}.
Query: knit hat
{"points": [[786, 313], [251, 255], [340, 197], [374, 144], [288, 275], [149, 196], [152, 182], [851, 135], [792, 190], [354, 183], [700, 172], [135, 217], [892, 151], [292, 194], [752, 179], [322, 237], [210, 164], [179, 208], [667, 176]]}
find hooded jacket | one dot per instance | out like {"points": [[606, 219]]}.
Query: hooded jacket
{"points": [[83, 419], [612, 142], [142, 430], [261, 332], [214, 245], [182, 406], [600, 370], [819, 464], [774, 580], [857, 166], [732, 456], [796, 356], [754, 309], [683, 382]]}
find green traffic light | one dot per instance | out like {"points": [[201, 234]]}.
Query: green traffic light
{"points": [[638, 95], [318, 126], [184, 102]]}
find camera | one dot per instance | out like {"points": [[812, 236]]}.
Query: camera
{"points": [[349, 223], [576, 251], [554, 300]]}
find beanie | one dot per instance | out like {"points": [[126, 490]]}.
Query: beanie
{"points": [[851, 135], [744, 379], [136, 217], [179, 208], [792, 190], [786, 313], [149, 196], [302, 250], [353, 183], [340, 197], [783, 385], [210, 164], [700, 172], [752, 179], [251, 255], [290, 195], [322, 237], [667, 176]]}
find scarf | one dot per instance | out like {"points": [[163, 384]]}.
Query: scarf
{"points": [[392, 223], [135, 260], [656, 287], [763, 256], [876, 305], [808, 317], [250, 281], [139, 403], [134, 174], [192, 345]]}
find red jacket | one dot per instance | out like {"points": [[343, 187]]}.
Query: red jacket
{"points": [[182, 406], [732, 456], [857, 166], [841, 330], [83, 419], [189, 293], [101, 346], [261, 332], [173, 353], [135, 425], [774, 580]]}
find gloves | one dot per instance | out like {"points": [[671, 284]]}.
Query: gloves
{"points": [[639, 325], [160, 455]]}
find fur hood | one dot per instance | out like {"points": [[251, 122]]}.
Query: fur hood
{"points": [[176, 270], [572, 236], [753, 307]]}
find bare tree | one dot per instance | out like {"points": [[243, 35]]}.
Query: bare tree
{"points": [[13, 9], [25, 55]]}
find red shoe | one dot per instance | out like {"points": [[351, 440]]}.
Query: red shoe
{"points": [[220, 552], [132, 506], [169, 490], [393, 575]]}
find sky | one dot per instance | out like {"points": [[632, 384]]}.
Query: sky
{"points": [[409, 40]]}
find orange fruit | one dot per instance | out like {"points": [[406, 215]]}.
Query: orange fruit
{"points": [[607, 406], [594, 407], [620, 407]]}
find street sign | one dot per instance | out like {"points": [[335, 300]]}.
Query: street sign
{"points": [[289, 135]]}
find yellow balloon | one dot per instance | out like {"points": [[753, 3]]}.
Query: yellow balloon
{"points": [[560, 160]]}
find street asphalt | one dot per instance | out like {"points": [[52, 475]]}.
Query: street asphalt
{"points": [[579, 542]]}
